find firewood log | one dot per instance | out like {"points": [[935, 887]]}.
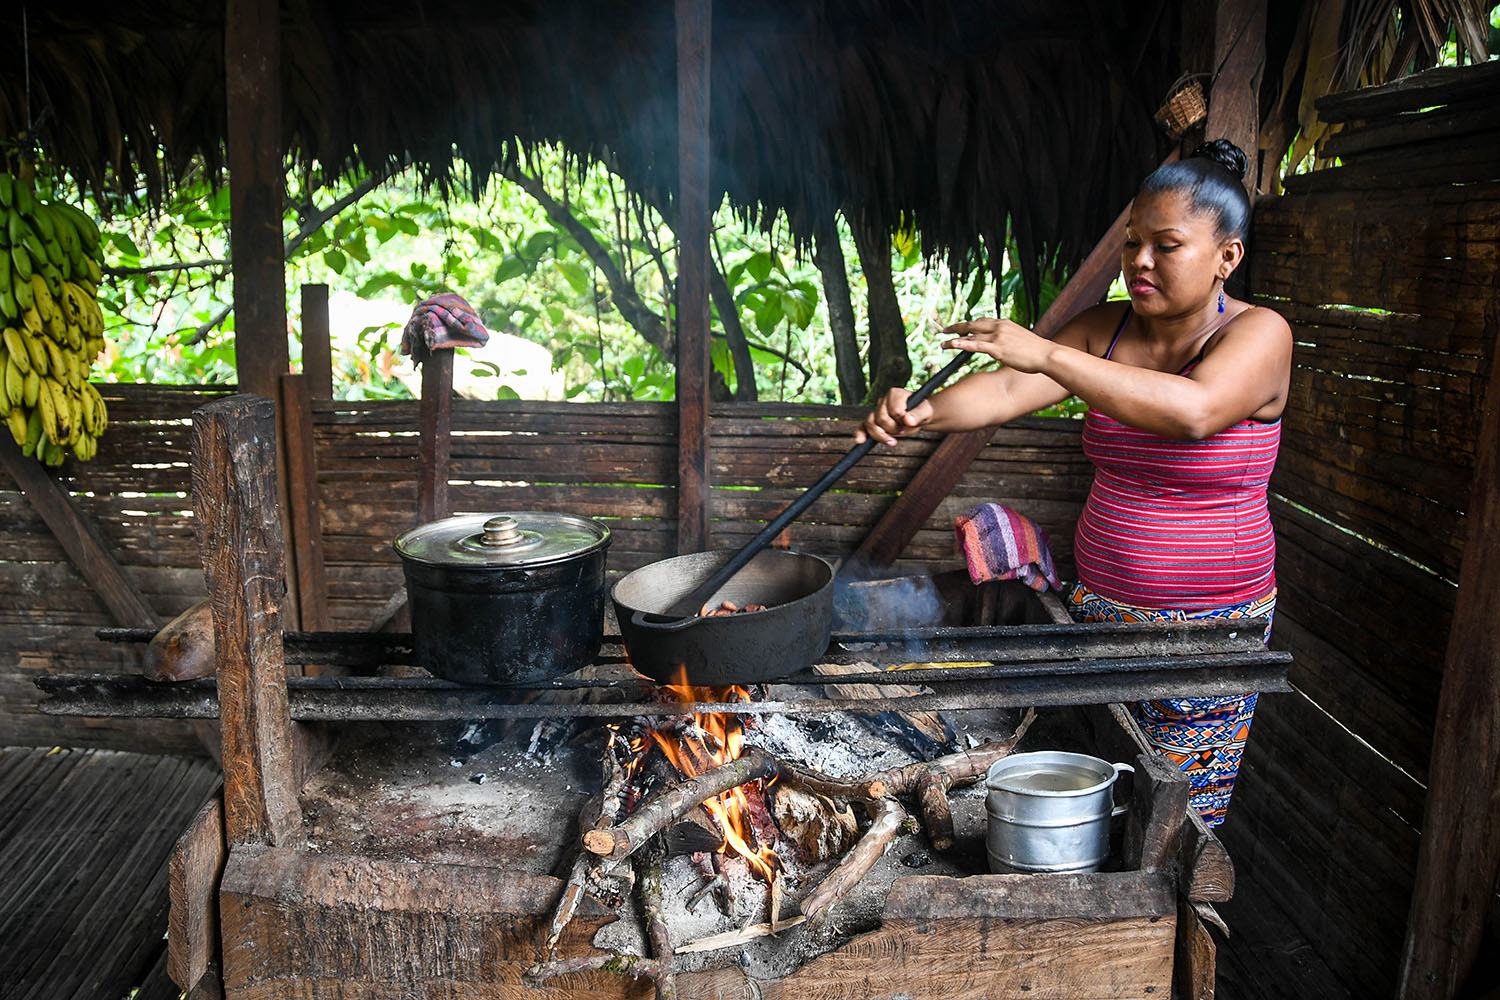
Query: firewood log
{"points": [[820, 827]]}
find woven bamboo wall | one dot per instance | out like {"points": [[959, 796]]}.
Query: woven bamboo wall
{"points": [[1387, 269], [613, 461]]}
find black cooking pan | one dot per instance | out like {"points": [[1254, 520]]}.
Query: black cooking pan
{"points": [[657, 605], [736, 649]]}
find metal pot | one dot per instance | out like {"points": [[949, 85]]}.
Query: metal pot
{"points": [[507, 598], [747, 648], [1049, 811]]}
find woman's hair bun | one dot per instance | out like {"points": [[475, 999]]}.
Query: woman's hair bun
{"points": [[1226, 154]]}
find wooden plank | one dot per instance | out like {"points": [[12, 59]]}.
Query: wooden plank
{"points": [[1443, 85], [435, 426], [1458, 159], [304, 515], [252, 66], [240, 535], [193, 886], [1193, 973], [1460, 856], [79, 538], [1090, 283], [317, 347], [1414, 128], [694, 20]]}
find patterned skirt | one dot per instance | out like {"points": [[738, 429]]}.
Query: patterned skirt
{"points": [[1204, 737]]}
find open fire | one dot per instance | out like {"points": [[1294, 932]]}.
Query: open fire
{"points": [[788, 843], [708, 742]]}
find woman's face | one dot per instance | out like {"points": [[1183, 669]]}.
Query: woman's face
{"points": [[1172, 259]]}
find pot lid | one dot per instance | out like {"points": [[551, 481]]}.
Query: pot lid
{"points": [[509, 538]]}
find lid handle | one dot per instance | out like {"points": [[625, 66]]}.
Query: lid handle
{"points": [[500, 532]]}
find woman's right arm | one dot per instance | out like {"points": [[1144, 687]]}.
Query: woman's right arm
{"points": [[985, 399]]}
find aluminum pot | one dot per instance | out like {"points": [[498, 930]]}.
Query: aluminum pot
{"points": [[507, 598], [748, 648], [1049, 811]]}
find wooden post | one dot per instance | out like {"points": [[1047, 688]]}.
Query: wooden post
{"points": [[193, 871], [79, 538], [946, 466], [1234, 97], [694, 27], [1459, 858], [304, 514], [239, 536], [252, 65], [317, 347], [435, 442]]}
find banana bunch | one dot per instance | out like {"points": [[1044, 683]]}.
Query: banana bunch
{"points": [[51, 329]]}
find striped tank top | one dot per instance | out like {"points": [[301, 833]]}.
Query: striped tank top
{"points": [[1177, 524]]}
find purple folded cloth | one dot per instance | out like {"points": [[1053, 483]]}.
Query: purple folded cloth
{"points": [[1000, 544], [442, 323]]}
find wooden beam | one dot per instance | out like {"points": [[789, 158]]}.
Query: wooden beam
{"points": [[304, 514], [317, 346], [1234, 95], [252, 66], [435, 429], [239, 536], [948, 462], [694, 27], [1239, 63], [1459, 857], [78, 537]]}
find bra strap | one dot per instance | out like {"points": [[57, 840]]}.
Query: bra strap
{"points": [[1118, 330]]}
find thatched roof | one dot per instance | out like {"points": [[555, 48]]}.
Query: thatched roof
{"points": [[957, 115], [963, 115]]}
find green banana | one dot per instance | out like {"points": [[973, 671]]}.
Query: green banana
{"points": [[25, 200], [7, 190], [25, 299], [22, 260]]}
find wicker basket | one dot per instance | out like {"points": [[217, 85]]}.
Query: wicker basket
{"points": [[1185, 107]]}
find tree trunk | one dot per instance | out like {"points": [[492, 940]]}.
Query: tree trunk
{"points": [[890, 366], [829, 257], [734, 333]]}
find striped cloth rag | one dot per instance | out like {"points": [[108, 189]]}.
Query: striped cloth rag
{"points": [[440, 323], [1000, 544]]}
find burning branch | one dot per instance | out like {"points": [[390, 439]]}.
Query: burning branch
{"points": [[656, 813]]}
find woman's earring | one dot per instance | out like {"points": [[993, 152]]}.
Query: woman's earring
{"points": [[1221, 299]]}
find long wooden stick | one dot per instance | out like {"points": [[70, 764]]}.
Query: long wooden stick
{"points": [[958, 769], [619, 842], [857, 863], [600, 811], [650, 863]]}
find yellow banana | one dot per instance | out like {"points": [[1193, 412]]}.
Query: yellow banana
{"points": [[39, 357], [16, 421], [57, 364], [15, 383], [47, 409], [31, 389], [41, 296], [31, 321], [15, 346]]}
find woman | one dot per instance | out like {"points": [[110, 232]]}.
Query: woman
{"points": [[1185, 387]]}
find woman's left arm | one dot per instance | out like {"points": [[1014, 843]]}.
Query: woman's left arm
{"points": [[1247, 369]]}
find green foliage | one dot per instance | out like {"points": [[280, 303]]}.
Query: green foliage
{"points": [[169, 287]]}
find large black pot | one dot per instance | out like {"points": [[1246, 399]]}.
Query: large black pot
{"points": [[787, 637], [508, 598]]}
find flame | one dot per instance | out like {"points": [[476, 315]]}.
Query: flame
{"points": [[716, 739]]}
